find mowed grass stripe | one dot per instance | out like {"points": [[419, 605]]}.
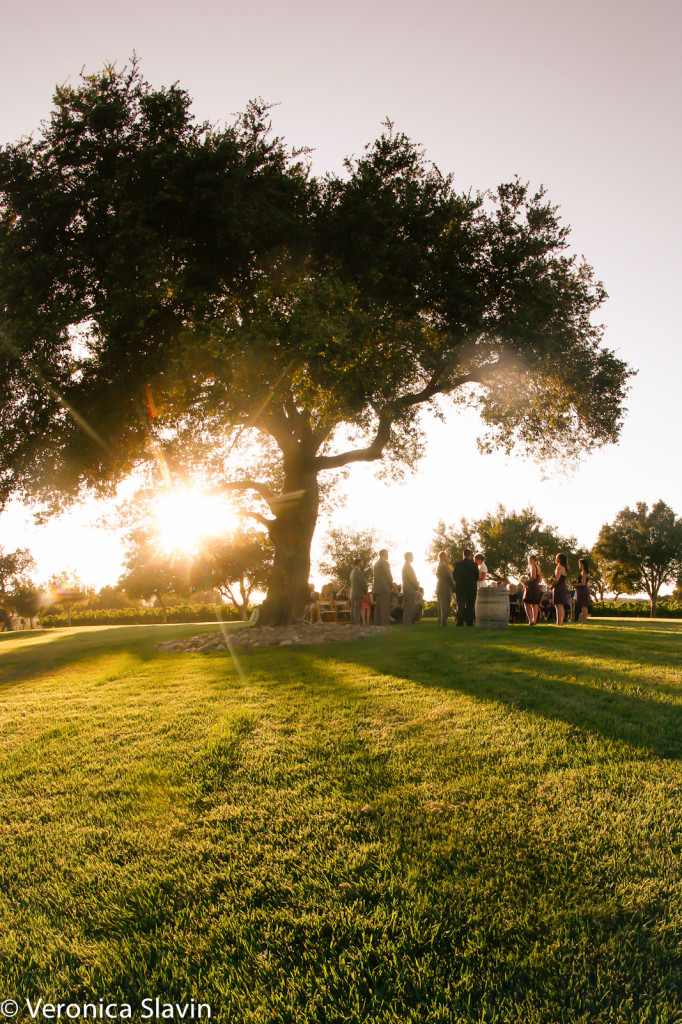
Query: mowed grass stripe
{"points": [[425, 826]]}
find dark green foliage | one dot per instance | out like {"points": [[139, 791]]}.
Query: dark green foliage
{"points": [[677, 593], [507, 539], [14, 566], [107, 597], [17, 592], [124, 222], [598, 584], [641, 550], [24, 599], [636, 609], [141, 616], [342, 547]]}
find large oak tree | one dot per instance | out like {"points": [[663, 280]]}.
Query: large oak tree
{"points": [[174, 290]]}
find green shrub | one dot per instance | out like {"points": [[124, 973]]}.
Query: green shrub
{"points": [[635, 609], [139, 616]]}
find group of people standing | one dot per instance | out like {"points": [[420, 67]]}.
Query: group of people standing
{"points": [[382, 589], [463, 579], [470, 573], [532, 594]]}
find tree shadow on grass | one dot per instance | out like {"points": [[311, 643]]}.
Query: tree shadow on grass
{"points": [[658, 648], [490, 669], [653, 670]]}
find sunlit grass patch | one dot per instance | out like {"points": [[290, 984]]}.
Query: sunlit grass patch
{"points": [[425, 826]]}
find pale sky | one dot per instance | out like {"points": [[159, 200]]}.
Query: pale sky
{"points": [[582, 97]]}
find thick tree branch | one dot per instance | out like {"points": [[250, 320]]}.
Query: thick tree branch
{"points": [[439, 385], [266, 493], [369, 454], [387, 417], [267, 523]]}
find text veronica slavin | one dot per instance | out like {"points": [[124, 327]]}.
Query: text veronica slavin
{"points": [[149, 1009]]}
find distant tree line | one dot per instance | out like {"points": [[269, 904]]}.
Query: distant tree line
{"points": [[17, 593], [640, 552], [223, 570], [233, 567]]}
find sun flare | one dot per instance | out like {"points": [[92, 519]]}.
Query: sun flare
{"points": [[184, 517]]}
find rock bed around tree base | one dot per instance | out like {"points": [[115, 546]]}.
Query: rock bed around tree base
{"points": [[296, 635]]}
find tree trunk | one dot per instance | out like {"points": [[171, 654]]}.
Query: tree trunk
{"points": [[244, 603], [291, 533], [163, 609], [652, 614], [240, 606]]}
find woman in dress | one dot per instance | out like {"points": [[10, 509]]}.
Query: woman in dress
{"points": [[532, 595], [366, 610], [559, 586], [583, 601]]}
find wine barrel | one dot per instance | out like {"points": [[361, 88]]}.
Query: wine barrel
{"points": [[492, 608]]}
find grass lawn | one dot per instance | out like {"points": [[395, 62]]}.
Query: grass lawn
{"points": [[423, 826]]}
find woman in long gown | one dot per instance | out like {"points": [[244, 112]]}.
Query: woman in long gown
{"points": [[559, 586], [583, 601], [532, 595]]}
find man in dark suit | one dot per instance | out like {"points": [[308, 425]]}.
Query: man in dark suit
{"points": [[381, 589], [465, 573]]}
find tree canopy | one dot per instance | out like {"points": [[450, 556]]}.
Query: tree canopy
{"points": [[149, 571], [234, 565], [17, 591], [173, 292], [342, 546], [641, 550], [64, 590], [506, 538], [14, 565]]}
